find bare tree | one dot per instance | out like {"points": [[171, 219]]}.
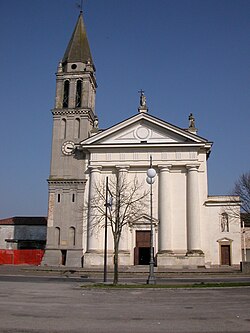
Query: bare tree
{"points": [[126, 203], [242, 189]]}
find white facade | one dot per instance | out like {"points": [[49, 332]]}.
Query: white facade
{"points": [[187, 223]]}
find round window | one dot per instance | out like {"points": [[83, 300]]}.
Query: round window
{"points": [[73, 66]]}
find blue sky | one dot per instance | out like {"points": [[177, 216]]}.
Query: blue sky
{"points": [[188, 56]]}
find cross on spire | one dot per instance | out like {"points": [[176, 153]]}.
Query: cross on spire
{"points": [[80, 5]]}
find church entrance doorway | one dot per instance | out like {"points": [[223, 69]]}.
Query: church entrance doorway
{"points": [[142, 249], [225, 255]]}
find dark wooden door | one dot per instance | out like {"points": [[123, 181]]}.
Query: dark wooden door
{"points": [[142, 249], [225, 255], [142, 238]]}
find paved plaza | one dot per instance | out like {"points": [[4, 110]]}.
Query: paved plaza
{"points": [[49, 304]]}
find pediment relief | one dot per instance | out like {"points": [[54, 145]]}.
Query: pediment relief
{"points": [[143, 132]]}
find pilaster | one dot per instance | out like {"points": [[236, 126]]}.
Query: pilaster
{"points": [[59, 91], [72, 93], [94, 254], [165, 209], [193, 210], [93, 243]]}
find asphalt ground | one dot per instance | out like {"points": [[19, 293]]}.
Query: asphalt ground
{"points": [[53, 304]]}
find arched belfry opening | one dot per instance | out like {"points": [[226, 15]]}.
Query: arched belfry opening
{"points": [[66, 94]]}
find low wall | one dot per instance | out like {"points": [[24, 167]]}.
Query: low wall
{"points": [[20, 257]]}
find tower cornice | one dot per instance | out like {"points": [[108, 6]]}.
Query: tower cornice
{"points": [[65, 112]]}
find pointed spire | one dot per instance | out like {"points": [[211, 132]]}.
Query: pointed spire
{"points": [[78, 49]]}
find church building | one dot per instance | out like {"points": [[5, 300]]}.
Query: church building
{"points": [[190, 228]]}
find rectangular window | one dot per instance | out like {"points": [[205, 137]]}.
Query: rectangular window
{"points": [[73, 197], [58, 197]]}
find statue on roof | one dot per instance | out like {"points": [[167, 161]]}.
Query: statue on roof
{"points": [[96, 122], [191, 121], [143, 105], [143, 99]]}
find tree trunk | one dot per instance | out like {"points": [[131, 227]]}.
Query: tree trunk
{"points": [[116, 271]]}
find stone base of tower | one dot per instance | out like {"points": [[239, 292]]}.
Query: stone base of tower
{"points": [[69, 258], [52, 258], [169, 259]]}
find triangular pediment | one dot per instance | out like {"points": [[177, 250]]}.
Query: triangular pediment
{"points": [[144, 219], [143, 128], [224, 240], [142, 131]]}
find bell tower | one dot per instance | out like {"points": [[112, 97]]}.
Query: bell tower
{"points": [[73, 121], [76, 83]]}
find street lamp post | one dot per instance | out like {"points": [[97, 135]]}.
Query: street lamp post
{"points": [[105, 234], [244, 241], [151, 173]]}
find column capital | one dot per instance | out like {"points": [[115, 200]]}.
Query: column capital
{"points": [[122, 168], [164, 167], [95, 168], [192, 167]]}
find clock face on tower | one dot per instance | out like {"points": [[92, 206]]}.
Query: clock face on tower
{"points": [[68, 147]]}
